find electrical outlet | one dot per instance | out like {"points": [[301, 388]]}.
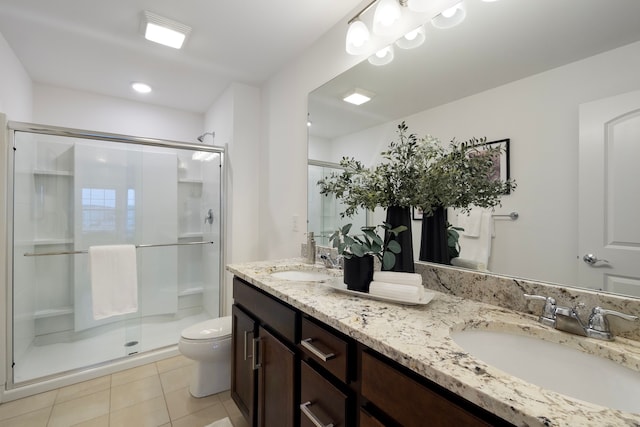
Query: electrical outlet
{"points": [[294, 223]]}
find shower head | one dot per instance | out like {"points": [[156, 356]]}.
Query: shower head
{"points": [[201, 137]]}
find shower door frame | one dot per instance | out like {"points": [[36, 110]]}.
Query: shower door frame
{"points": [[11, 128]]}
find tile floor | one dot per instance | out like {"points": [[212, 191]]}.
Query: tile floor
{"points": [[156, 394]]}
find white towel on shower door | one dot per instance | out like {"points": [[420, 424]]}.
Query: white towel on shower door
{"points": [[114, 280]]}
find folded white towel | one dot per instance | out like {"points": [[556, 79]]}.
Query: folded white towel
{"points": [[408, 293], [471, 222], [468, 263], [398, 277], [114, 280]]}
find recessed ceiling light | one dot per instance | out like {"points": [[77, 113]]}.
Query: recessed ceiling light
{"points": [[163, 30], [141, 87], [358, 97]]}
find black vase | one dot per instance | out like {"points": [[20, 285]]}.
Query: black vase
{"points": [[397, 215], [358, 273], [433, 243]]}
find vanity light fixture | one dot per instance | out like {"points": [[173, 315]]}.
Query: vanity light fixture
{"points": [[141, 87], [386, 20], [451, 17], [163, 30], [358, 97], [357, 37], [412, 39], [387, 14], [383, 56]]}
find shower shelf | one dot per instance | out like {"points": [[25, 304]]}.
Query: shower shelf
{"points": [[45, 242], [190, 181], [192, 290], [52, 312], [52, 172], [190, 235]]}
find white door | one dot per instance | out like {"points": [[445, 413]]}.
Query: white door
{"points": [[609, 193]]}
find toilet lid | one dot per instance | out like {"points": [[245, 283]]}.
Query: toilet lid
{"points": [[212, 328]]}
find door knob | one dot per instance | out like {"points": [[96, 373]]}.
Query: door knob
{"points": [[591, 259]]}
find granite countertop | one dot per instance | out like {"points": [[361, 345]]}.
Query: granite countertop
{"points": [[418, 337]]}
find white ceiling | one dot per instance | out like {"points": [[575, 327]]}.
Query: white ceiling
{"points": [[96, 46]]}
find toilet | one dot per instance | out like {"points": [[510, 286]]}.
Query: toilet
{"points": [[209, 344]]}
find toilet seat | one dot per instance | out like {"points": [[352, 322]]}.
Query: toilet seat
{"points": [[209, 330]]}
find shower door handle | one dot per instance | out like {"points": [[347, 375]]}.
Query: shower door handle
{"points": [[209, 218]]}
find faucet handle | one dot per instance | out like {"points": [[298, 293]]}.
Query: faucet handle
{"points": [[598, 319], [548, 316]]}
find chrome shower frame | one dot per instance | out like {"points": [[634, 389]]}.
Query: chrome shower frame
{"points": [[9, 128]]}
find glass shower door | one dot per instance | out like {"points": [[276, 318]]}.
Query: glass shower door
{"points": [[74, 193]]}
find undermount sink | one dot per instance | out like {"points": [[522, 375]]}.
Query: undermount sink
{"points": [[555, 367], [301, 276]]}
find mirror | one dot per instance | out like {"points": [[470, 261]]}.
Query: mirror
{"points": [[323, 216], [513, 69]]}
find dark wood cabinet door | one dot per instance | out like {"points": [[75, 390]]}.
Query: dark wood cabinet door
{"points": [[321, 403], [276, 382], [408, 402], [243, 376]]}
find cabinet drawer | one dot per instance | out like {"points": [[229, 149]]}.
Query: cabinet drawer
{"points": [[321, 400], [326, 348], [368, 420], [279, 317], [407, 401]]}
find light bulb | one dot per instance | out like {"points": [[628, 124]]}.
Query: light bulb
{"points": [[412, 39], [448, 13], [382, 56], [387, 14], [357, 38], [450, 17]]}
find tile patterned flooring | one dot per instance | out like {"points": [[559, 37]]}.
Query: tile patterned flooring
{"points": [[155, 394]]}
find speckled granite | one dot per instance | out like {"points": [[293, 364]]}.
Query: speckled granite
{"points": [[418, 337], [507, 292]]}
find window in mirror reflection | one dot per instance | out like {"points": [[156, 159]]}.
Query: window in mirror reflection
{"points": [[323, 212]]}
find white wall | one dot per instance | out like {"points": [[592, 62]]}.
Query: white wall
{"points": [[235, 118], [283, 148], [540, 116], [16, 97], [83, 110]]}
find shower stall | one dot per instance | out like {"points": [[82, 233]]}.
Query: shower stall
{"points": [[69, 190]]}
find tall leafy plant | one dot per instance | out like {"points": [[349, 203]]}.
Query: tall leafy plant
{"points": [[423, 173]]}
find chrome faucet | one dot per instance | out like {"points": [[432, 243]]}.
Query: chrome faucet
{"points": [[330, 262], [567, 319]]}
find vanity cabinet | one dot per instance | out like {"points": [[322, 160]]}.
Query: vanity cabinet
{"points": [[399, 397], [263, 379], [276, 381], [243, 376], [290, 369]]}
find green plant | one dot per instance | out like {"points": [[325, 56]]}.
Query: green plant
{"points": [[368, 243], [422, 173]]}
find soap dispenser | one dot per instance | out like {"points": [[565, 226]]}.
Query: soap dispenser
{"points": [[311, 248]]}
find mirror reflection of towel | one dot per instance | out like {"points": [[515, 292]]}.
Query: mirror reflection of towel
{"points": [[471, 222], [114, 280], [477, 249]]}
